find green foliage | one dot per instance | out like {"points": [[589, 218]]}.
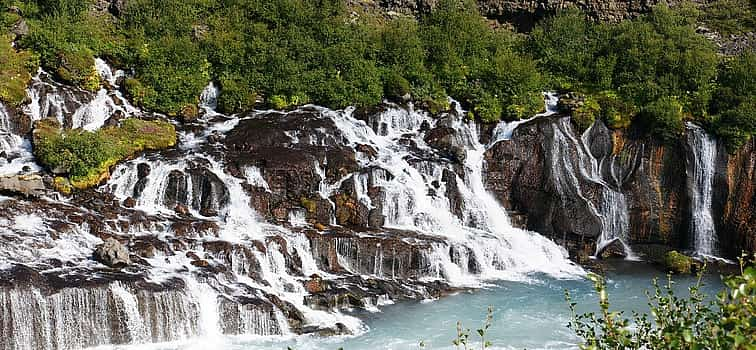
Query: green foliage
{"points": [[663, 119], [396, 86], [654, 58], [734, 105], [15, 68], [615, 112], [236, 96], [585, 114], [730, 16], [675, 322], [462, 341], [87, 156]]}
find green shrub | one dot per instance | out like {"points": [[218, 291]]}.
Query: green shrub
{"points": [[396, 86], [488, 108], [525, 105], [663, 119], [614, 111], [236, 96]]}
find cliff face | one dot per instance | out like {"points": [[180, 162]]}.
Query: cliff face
{"points": [[735, 200], [563, 181], [523, 14]]}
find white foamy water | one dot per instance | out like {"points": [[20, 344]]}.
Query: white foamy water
{"points": [[701, 170]]}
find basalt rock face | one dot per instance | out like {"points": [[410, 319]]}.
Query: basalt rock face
{"points": [[524, 14], [734, 204], [564, 187]]}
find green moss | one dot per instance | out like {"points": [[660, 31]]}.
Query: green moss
{"points": [[15, 68], [396, 86], [309, 204], [77, 67], [62, 185], [678, 263], [86, 157]]}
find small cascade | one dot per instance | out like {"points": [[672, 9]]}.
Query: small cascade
{"points": [[15, 150], [504, 130], [75, 108], [499, 250], [701, 168], [612, 208], [209, 99]]}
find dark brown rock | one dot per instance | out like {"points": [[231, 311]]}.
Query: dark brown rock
{"points": [[112, 253]]}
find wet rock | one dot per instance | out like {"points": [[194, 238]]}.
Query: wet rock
{"points": [[20, 28], [612, 249], [112, 253], [445, 139], [129, 202], [314, 284], [181, 210], [143, 170], [32, 185]]}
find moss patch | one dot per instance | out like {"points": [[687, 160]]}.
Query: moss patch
{"points": [[676, 262], [86, 157], [15, 68]]}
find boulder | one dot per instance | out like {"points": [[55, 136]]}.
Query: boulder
{"points": [[112, 253], [31, 185], [676, 262], [612, 249]]}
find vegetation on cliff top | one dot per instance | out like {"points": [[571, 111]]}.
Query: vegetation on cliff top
{"points": [[290, 52], [86, 157]]}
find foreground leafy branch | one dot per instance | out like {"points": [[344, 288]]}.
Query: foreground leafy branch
{"points": [[674, 322]]}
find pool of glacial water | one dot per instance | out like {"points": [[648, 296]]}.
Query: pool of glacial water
{"points": [[526, 315]]}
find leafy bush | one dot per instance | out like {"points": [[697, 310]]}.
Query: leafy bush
{"points": [[734, 105], [235, 96], [675, 322], [663, 119]]}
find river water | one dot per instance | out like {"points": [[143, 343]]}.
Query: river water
{"points": [[528, 314]]}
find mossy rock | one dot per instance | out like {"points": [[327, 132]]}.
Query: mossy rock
{"points": [[309, 204], [85, 157], [676, 262], [62, 185], [77, 67]]}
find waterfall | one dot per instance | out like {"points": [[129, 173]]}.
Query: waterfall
{"points": [[501, 250], [219, 268], [701, 163]]}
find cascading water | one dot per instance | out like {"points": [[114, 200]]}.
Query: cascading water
{"points": [[200, 217], [500, 250], [701, 168]]}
